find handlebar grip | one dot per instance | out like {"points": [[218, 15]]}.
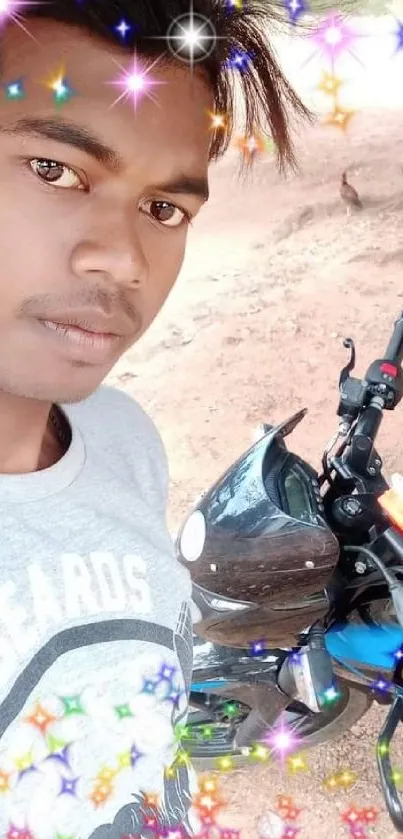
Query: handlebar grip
{"points": [[394, 350]]}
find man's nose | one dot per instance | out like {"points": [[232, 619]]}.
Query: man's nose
{"points": [[115, 252]]}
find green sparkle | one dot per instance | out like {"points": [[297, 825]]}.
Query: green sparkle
{"points": [[207, 732], [54, 745], [72, 705], [183, 731], [123, 711], [231, 709]]}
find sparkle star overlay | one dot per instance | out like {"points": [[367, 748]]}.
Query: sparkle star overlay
{"points": [[12, 10], [123, 28], [333, 37], [14, 90], [399, 36], [59, 85], [137, 83], [191, 38], [295, 9]]}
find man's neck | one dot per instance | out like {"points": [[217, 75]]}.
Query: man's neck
{"points": [[28, 442]]}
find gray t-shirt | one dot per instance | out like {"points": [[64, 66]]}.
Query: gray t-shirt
{"points": [[95, 637]]}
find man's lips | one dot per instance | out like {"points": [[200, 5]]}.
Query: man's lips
{"points": [[91, 321], [69, 327]]}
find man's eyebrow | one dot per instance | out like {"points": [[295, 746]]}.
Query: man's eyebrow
{"points": [[69, 133], [72, 134], [186, 185]]}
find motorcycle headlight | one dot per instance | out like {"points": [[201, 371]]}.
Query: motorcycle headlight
{"points": [[193, 537]]}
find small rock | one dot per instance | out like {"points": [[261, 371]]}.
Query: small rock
{"points": [[126, 377]]}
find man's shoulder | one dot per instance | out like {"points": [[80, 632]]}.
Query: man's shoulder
{"points": [[113, 408], [112, 420]]}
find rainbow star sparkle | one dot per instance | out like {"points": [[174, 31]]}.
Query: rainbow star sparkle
{"points": [[58, 84], [137, 82]]}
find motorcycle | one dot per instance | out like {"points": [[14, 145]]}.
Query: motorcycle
{"points": [[297, 578]]}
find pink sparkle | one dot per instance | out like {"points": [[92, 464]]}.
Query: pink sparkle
{"points": [[291, 832], [11, 10], [282, 740], [333, 36], [136, 82]]}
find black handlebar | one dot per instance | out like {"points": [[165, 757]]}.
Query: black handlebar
{"points": [[394, 350], [389, 789], [362, 401]]}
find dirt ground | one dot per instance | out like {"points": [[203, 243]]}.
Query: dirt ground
{"points": [[276, 275]]}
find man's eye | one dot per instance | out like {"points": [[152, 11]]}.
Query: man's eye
{"points": [[57, 174], [166, 213]]}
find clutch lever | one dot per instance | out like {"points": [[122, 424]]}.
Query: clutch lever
{"points": [[390, 793]]}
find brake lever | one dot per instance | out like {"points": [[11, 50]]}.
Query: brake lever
{"points": [[348, 343], [390, 793]]}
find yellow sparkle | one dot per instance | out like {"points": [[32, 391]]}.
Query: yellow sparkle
{"points": [[4, 781], [260, 752], [331, 782], [209, 784], [347, 778], [54, 80], [297, 763], [339, 117], [397, 776], [217, 120], [124, 760], [171, 771], [225, 763], [24, 762], [106, 774], [330, 84]]}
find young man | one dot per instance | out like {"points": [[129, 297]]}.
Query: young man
{"points": [[95, 203]]}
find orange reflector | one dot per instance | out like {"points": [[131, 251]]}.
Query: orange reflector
{"points": [[392, 502]]}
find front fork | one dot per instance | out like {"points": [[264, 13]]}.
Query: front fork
{"points": [[305, 675]]}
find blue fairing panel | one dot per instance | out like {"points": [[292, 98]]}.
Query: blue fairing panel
{"points": [[374, 646]]}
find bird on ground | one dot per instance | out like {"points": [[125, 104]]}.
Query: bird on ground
{"points": [[349, 195]]}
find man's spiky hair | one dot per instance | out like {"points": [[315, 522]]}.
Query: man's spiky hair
{"points": [[269, 102]]}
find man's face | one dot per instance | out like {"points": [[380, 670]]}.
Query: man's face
{"points": [[78, 233]]}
